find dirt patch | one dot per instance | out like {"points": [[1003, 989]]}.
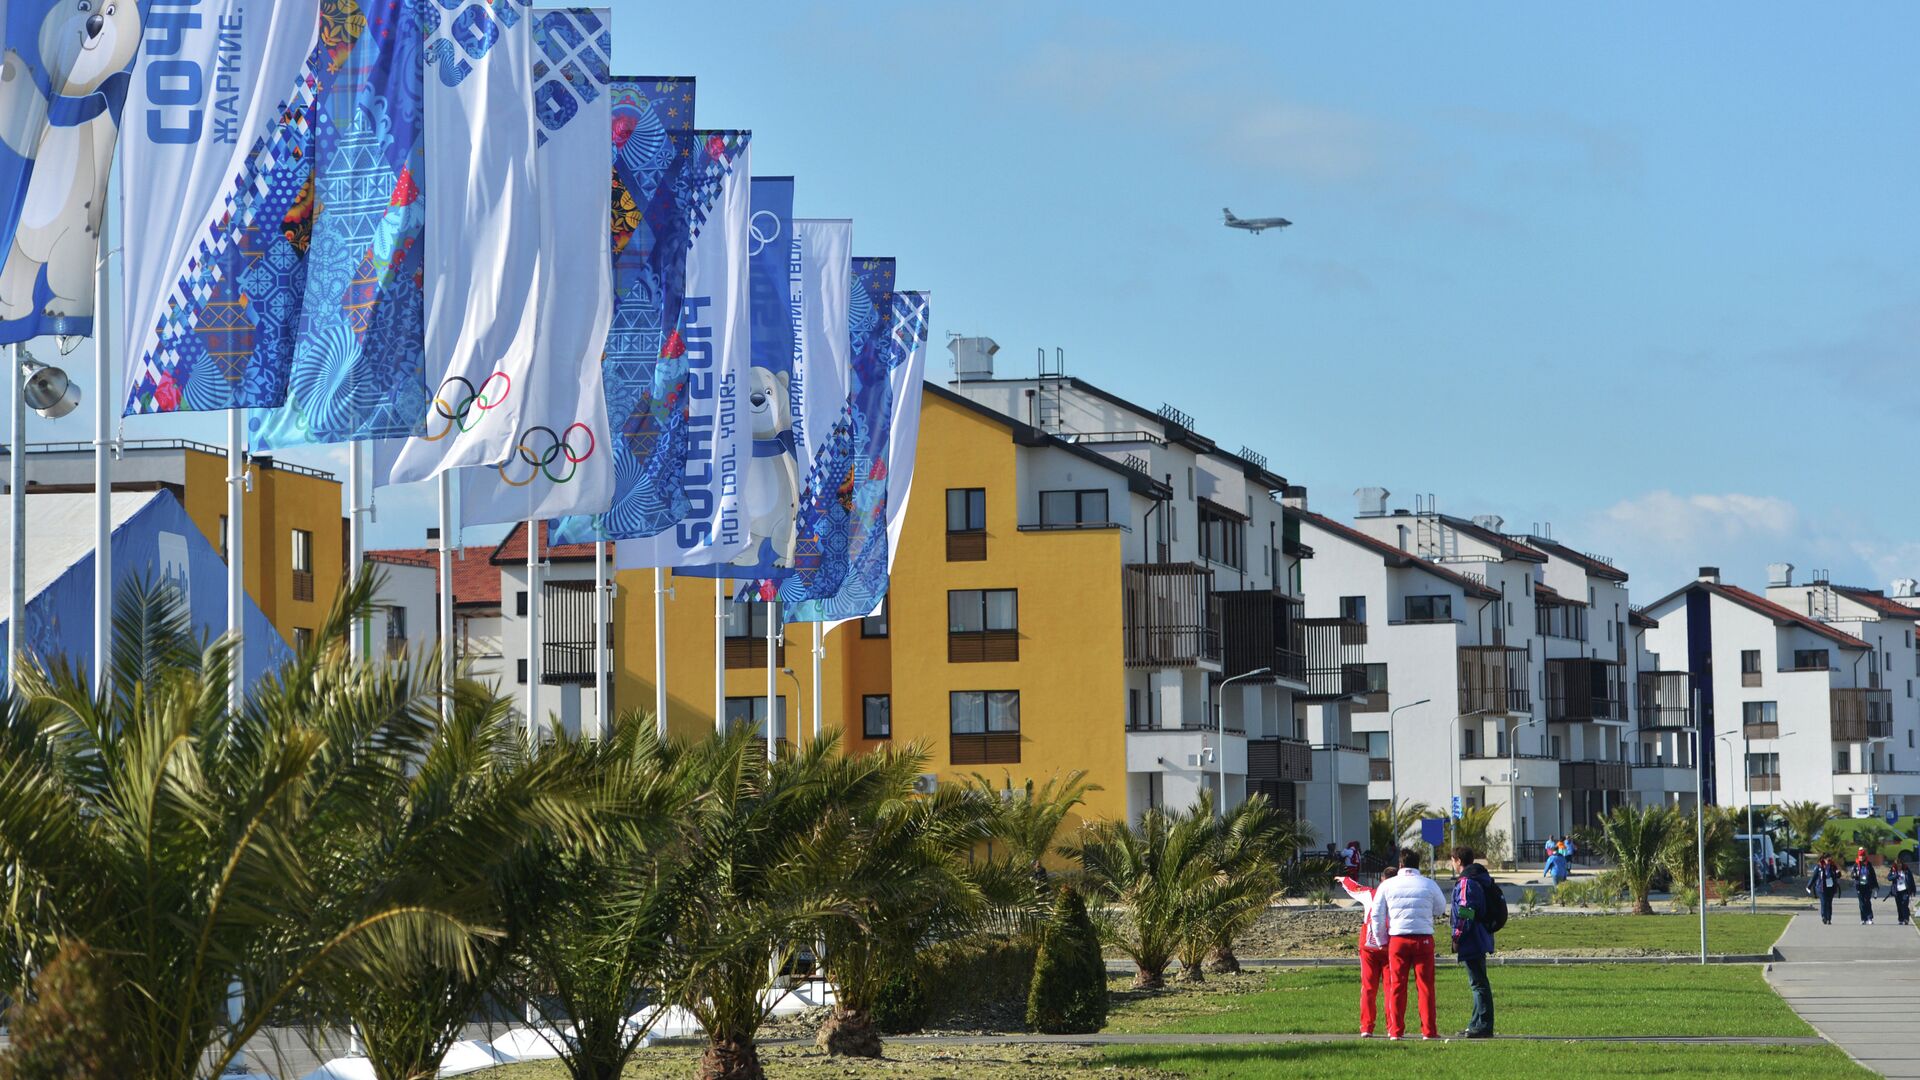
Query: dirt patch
{"points": [[901, 1063]]}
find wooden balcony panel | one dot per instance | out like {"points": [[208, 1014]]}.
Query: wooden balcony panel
{"points": [[990, 748], [751, 652], [983, 646], [303, 585], [967, 547]]}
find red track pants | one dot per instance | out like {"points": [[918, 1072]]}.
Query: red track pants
{"points": [[1415, 952], [1373, 972]]}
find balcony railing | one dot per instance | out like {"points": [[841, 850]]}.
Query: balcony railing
{"points": [[1665, 718], [990, 748], [969, 546], [303, 585], [1860, 714], [1763, 781], [1665, 700], [1234, 727], [1595, 775], [1279, 759], [566, 650], [1171, 616], [1581, 689], [1584, 709], [1494, 679], [1334, 652], [1261, 628]]}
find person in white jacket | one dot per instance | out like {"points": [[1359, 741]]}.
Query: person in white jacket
{"points": [[1406, 909]]}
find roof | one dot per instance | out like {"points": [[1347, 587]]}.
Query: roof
{"points": [[1506, 545], [1027, 435], [1760, 605], [62, 534], [1393, 556], [476, 580], [1878, 601], [1599, 568], [513, 548], [1550, 595], [1636, 617]]}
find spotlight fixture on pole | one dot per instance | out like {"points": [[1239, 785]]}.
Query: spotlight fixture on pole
{"points": [[46, 390]]}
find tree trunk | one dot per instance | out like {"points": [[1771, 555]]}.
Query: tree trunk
{"points": [[1642, 905], [849, 1033], [1146, 978], [731, 1059], [1193, 970], [1224, 961]]}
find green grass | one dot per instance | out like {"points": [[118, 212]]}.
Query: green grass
{"points": [[1846, 828], [1586, 999], [1726, 933], [1561, 1061]]}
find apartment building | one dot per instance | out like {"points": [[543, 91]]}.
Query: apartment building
{"points": [[1795, 690]]}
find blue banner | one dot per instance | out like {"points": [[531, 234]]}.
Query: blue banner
{"points": [[843, 507], [772, 482], [67, 72]]}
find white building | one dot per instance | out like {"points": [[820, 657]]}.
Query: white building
{"points": [[1796, 699]]}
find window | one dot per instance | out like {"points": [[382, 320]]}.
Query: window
{"points": [[1761, 714], [1749, 661], [302, 565], [983, 625], [1068, 508], [1841, 763], [223, 536], [876, 716], [875, 625], [746, 644], [984, 727], [1468, 739], [520, 603], [966, 524], [1809, 659], [1353, 608], [520, 671], [744, 711], [1377, 745], [1426, 609], [303, 638], [1763, 764], [1509, 604], [746, 619], [1221, 538], [1376, 678]]}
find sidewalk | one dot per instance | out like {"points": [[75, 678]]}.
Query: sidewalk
{"points": [[1857, 985]]}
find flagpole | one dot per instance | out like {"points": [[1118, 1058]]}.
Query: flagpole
{"points": [[720, 655], [237, 553], [102, 478], [448, 648], [773, 694], [601, 602], [356, 542], [819, 652], [660, 651], [17, 499], [533, 629]]}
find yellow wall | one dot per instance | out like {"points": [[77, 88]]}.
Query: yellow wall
{"points": [[280, 502], [1069, 675]]}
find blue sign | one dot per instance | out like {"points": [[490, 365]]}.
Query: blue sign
{"points": [[1456, 808], [1892, 815], [1433, 831]]}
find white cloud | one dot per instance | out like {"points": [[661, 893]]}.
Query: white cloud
{"points": [[1666, 518]]}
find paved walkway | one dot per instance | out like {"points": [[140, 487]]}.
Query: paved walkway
{"points": [[1857, 985]]}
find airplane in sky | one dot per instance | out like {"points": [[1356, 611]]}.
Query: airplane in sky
{"points": [[1254, 225]]}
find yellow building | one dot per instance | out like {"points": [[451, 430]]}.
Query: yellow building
{"points": [[294, 531]]}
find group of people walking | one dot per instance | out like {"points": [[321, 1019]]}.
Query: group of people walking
{"points": [[1403, 916], [1824, 883]]}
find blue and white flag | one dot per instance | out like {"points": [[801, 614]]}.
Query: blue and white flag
{"points": [[686, 508], [645, 210], [773, 473], [843, 507], [483, 242], [210, 93], [823, 273], [562, 462], [64, 73]]}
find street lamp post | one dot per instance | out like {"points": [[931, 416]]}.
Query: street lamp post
{"points": [[1222, 749], [1393, 758], [1873, 773], [1513, 788], [1746, 782]]}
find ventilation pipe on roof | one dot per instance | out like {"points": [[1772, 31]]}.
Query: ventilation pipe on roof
{"points": [[1490, 522], [1710, 575], [1372, 501], [972, 357], [1779, 574], [1906, 588], [1294, 497]]}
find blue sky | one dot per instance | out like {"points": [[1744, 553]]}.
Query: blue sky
{"points": [[1642, 271]]}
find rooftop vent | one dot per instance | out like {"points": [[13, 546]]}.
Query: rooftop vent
{"points": [[1710, 575], [1371, 501], [1294, 497], [1906, 588], [972, 357], [1490, 522], [1779, 574]]}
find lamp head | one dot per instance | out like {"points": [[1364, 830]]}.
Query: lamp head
{"points": [[48, 391]]}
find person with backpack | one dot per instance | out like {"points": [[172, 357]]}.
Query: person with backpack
{"points": [[1900, 887], [1406, 908], [1479, 912], [1865, 882], [1824, 882]]}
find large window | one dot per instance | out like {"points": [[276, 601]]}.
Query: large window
{"points": [[983, 625], [1763, 764], [966, 524], [1222, 538], [1760, 716], [1062, 509], [876, 716], [747, 619], [1377, 745], [752, 711], [1376, 678], [984, 727], [1353, 608], [302, 564], [746, 645], [1429, 609], [1809, 659]]}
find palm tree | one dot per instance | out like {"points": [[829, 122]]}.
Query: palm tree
{"points": [[1389, 829], [1250, 844], [1637, 841], [200, 849], [1030, 817], [903, 862], [1804, 821], [1725, 860], [1475, 829], [1157, 871]]}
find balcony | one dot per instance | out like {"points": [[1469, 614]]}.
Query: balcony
{"points": [[1665, 701], [1262, 629], [988, 748], [1171, 616], [566, 638], [967, 546], [1595, 775], [1582, 690], [1288, 760], [1334, 652], [1494, 679], [1860, 714]]}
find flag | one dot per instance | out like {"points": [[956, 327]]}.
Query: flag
{"points": [[562, 462], [644, 211], [822, 274], [66, 74], [685, 508], [189, 324], [774, 469], [483, 242]]}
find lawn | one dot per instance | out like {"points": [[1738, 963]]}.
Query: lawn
{"points": [[1563, 1061], [1728, 932], [1588, 999], [1846, 828]]}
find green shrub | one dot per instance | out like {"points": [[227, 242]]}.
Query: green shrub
{"points": [[70, 1028], [1685, 900], [1529, 900], [977, 979], [901, 1007], [1069, 992]]}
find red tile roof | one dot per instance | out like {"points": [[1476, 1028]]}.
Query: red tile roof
{"points": [[1395, 557], [1878, 601], [1603, 570], [1784, 616], [1636, 617], [476, 580], [1543, 591]]}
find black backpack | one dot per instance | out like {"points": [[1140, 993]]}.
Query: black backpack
{"points": [[1493, 902]]}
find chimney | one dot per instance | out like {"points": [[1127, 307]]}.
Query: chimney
{"points": [[1294, 497], [1372, 501], [1489, 522], [972, 357], [1779, 574], [1906, 588], [433, 534], [1710, 575]]}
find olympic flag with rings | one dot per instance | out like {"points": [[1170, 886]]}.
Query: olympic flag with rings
{"points": [[561, 463]]}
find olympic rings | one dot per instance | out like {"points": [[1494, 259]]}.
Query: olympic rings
{"points": [[468, 398], [551, 449]]}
